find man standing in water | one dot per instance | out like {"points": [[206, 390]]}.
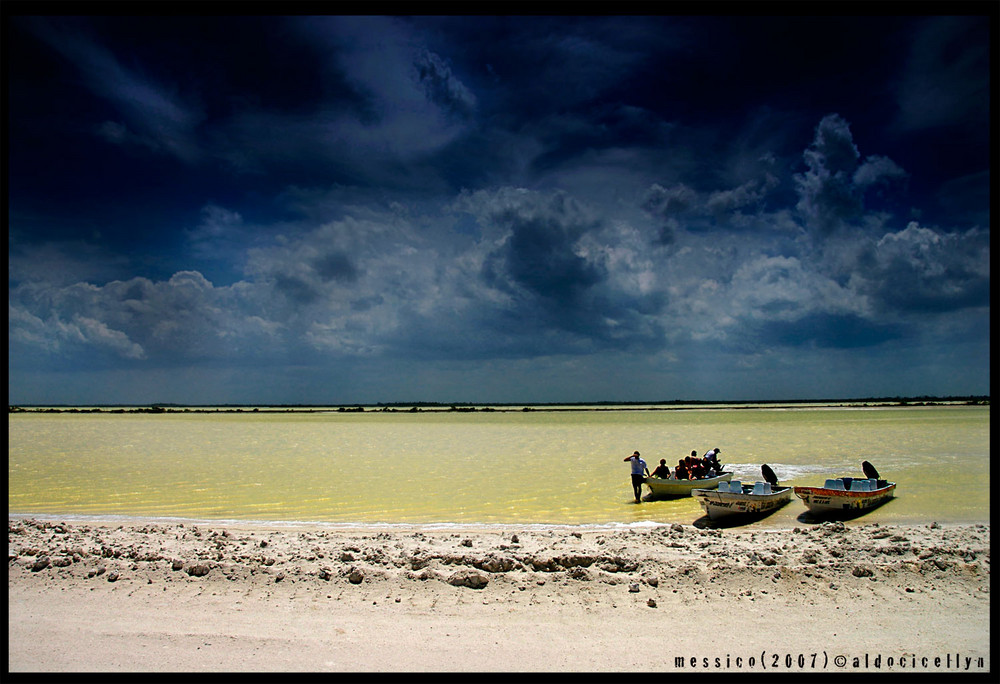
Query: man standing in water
{"points": [[639, 474]]}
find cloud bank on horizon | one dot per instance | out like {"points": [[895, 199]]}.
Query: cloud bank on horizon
{"points": [[347, 209]]}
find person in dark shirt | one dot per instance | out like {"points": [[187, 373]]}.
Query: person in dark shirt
{"points": [[695, 469], [662, 470]]}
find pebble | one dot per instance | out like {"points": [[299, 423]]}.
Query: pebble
{"points": [[469, 578]]}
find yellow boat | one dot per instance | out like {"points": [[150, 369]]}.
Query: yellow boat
{"points": [[847, 495]]}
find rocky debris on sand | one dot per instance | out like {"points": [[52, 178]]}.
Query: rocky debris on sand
{"points": [[469, 578], [660, 558]]}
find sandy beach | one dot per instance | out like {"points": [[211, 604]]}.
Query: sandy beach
{"points": [[185, 597]]}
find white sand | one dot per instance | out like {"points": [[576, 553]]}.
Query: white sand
{"points": [[107, 597]]}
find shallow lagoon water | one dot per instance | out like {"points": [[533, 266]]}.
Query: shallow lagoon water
{"points": [[544, 467]]}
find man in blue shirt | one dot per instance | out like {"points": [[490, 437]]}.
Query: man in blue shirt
{"points": [[639, 474]]}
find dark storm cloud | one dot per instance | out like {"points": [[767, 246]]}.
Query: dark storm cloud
{"points": [[568, 136], [680, 207], [335, 266], [546, 260], [442, 88], [829, 196], [831, 331], [920, 270], [135, 319], [156, 115], [540, 253], [943, 83], [561, 195], [669, 203]]}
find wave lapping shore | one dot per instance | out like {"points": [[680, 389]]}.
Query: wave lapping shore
{"points": [[172, 596]]}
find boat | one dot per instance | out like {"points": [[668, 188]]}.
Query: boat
{"points": [[848, 495], [741, 500], [668, 488]]}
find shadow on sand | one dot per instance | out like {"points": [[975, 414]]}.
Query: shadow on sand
{"points": [[810, 518], [706, 523]]}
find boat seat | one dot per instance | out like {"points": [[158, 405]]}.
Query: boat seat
{"points": [[723, 486], [861, 486], [834, 484], [761, 488], [735, 486]]}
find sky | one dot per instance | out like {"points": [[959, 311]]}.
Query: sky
{"points": [[497, 209]]}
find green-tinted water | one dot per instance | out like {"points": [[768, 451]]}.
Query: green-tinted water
{"points": [[540, 467]]}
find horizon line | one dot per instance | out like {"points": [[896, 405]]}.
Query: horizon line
{"points": [[395, 404]]}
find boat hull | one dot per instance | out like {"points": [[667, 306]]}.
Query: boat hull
{"points": [[730, 505], [824, 501], [675, 489]]}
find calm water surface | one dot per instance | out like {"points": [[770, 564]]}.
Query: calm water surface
{"points": [[524, 468]]}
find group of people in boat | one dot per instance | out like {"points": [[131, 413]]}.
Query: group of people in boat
{"points": [[688, 468], [691, 467]]}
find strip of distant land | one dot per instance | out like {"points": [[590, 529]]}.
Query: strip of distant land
{"points": [[416, 407]]}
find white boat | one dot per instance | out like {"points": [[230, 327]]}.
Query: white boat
{"points": [[738, 500], [668, 488], [847, 495]]}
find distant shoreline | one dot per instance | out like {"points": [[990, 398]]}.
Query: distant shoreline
{"points": [[458, 407]]}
